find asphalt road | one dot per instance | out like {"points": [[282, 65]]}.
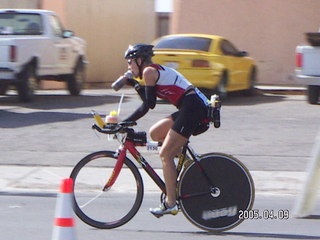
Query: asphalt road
{"points": [[269, 132], [30, 217], [272, 133]]}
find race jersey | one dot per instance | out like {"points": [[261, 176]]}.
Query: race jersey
{"points": [[171, 85]]}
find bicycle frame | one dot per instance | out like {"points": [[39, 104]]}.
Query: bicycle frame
{"points": [[122, 153], [131, 147]]}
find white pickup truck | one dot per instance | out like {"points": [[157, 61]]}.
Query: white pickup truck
{"points": [[308, 66], [34, 46]]}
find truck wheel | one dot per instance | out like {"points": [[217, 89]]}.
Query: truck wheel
{"points": [[76, 80], [27, 84], [313, 94]]}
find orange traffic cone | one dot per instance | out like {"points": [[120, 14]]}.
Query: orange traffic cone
{"points": [[64, 217]]}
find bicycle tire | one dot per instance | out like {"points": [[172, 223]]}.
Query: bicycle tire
{"points": [[216, 211], [103, 209]]}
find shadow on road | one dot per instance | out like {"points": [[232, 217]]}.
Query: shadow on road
{"points": [[49, 102], [237, 99], [14, 120], [59, 101], [62, 102]]}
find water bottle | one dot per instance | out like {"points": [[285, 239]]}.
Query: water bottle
{"points": [[216, 105], [112, 118], [121, 81], [215, 101]]}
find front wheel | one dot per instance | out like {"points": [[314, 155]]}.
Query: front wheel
{"points": [[77, 79], [106, 208], [213, 193], [27, 83]]}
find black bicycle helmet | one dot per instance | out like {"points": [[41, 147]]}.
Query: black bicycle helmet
{"points": [[139, 51]]}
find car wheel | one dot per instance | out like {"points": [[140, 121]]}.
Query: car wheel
{"points": [[252, 81], [222, 86], [27, 84], [76, 80], [3, 88], [313, 94]]}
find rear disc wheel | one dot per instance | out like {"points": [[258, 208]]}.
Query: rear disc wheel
{"points": [[216, 207]]}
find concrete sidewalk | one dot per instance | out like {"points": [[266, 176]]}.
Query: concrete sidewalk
{"points": [[286, 90], [46, 179]]}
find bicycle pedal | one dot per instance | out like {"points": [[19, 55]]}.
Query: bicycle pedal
{"points": [[157, 215]]}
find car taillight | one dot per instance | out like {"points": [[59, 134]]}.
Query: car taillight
{"points": [[13, 53], [299, 62], [200, 63]]}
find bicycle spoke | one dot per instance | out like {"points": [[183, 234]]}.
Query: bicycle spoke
{"points": [[91, 200]]}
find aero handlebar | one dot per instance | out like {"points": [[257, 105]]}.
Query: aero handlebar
{"points": [[114, 128]]}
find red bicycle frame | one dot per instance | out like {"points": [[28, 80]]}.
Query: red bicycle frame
{"points": [[122, 153]]}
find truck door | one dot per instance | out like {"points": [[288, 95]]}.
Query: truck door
{"points": [[62, 47]]}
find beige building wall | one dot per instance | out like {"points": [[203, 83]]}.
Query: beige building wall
{"points": [[19, 4], [58, 6], [268, 30], [108, 26]]}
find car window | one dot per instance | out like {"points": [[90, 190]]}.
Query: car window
{"points": [[13, 23], [56, 26], [228, 49], [189, 43]]}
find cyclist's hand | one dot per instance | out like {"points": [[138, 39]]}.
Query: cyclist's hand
{"points": [[131, 82]]}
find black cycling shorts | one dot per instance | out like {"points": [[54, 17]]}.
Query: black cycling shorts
{"points": [[191, 112]]}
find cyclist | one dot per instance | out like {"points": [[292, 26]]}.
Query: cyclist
{"points": [[174, 130]]}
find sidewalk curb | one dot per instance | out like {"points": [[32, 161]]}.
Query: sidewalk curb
{"points": [[287, 90], [46, 180]]}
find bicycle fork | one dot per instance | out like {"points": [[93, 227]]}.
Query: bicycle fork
{"points": [[117, 168], [121, 156]]}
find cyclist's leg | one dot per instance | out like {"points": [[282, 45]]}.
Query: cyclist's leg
{"points": [[171, 147], [182, 124], [160, 129]]}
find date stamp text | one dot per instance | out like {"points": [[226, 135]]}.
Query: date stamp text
{"points": [[256, 214]]}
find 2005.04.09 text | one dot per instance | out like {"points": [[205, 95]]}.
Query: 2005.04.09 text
{"points": [[256, 214]]}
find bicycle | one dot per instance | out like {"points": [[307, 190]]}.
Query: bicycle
{"points": [[212, 189]]}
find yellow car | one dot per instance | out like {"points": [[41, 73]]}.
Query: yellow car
{"points": [[209, 62]]}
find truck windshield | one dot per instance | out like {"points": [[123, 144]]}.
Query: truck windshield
{"points": [[13, 23]]}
